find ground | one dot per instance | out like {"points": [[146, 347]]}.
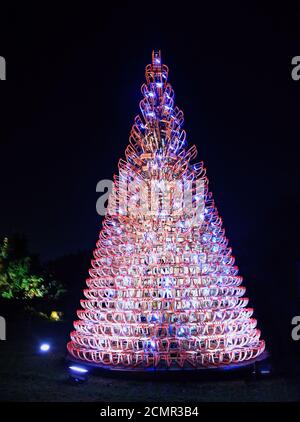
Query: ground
{"points": [[27, 375]]}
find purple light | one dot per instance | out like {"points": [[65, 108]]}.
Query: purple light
{"points": [[44, 347], [181, 331], [78, 369]]}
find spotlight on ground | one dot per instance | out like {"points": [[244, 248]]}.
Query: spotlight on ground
{"points": [[78, 373], [264, 370], [45, 347]]}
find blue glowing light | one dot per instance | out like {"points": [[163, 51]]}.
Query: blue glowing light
{"points": [[157, 60], [181, 331], [150, 94], [151, 114], [204, 239], [44, 347], [159, 84], [167, 282], [78, 369]]}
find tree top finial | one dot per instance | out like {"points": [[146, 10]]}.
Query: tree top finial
{"points": [[156, 58]]}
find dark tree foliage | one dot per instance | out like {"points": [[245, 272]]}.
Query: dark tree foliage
{"points": [[21, 276]]}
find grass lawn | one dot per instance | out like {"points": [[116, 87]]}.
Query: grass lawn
{"points": [[26, 375]]}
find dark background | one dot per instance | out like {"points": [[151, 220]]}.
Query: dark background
{"points": [[72, 91]]}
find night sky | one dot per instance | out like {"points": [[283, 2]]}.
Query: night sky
{"points": [[72, 92]]}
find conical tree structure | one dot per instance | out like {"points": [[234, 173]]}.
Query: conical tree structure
{"points": [[163, 289]]}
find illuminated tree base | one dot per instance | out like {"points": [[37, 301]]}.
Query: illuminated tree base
{"points": [[99, 368], [180, 359]]}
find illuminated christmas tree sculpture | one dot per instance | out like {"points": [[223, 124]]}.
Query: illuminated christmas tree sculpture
{"points": [[163, 290]]}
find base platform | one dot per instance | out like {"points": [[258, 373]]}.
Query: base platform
{"points": [[255, 367]]}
